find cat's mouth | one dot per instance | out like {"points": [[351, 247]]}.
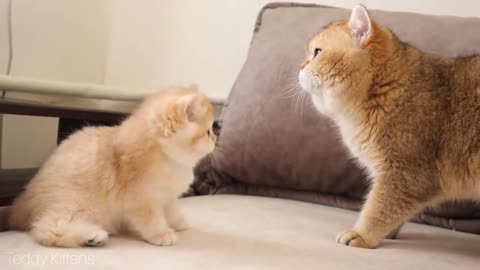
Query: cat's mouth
{"points": [[309, 81]]}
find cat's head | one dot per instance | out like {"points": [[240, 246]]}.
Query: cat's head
{"points": [[181, 121], [341, 61]]}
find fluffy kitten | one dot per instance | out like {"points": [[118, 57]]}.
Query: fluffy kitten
{"points": [[102, 180], [413, 119]]}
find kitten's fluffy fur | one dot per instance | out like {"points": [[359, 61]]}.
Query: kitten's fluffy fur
{"points": [[102, 180], [413, 119]]}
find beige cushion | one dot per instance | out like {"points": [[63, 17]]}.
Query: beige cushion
{"points": [[241, 232]]}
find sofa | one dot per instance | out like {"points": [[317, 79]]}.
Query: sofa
{"points": [[280, 185]]}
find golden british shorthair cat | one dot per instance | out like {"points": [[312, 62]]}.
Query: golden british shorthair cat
{"points": [[412, 118], [102, 180]]}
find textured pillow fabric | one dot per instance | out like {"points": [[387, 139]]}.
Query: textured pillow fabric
{"points": [[275, 145]]}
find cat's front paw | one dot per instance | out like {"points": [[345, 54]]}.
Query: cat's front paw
{"points": [[167, 238], [354, 239]]}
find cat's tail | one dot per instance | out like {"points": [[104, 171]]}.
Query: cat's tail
{"points": [[52, 230]]}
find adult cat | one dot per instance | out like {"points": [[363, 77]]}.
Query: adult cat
{"points": [[412, 118]]}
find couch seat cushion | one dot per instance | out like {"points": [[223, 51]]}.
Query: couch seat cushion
{"points": [[244, 232]]}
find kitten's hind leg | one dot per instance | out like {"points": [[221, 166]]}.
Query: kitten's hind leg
{"points": [[54, 230]]}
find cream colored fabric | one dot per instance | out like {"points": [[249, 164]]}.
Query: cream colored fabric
{"points": [[241, 232]]}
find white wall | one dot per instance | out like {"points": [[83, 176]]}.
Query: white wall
{"points": [[53, 39], [148, 43], [158, 43]]}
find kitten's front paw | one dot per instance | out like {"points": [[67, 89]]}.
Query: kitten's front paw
{"points": [[97, 240], [180, 224], [354, 239], [168, 238]]}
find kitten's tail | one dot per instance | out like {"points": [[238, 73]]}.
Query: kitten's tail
{"points": [[51, 230]]}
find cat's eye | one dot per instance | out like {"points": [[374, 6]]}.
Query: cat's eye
{"points": [[208, 132], [316, 52]]}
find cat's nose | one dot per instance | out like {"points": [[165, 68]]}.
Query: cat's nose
{"points": [[304, 64]]}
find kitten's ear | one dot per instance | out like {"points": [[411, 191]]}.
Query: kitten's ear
{"points": [[192, 106], [360, 23]]}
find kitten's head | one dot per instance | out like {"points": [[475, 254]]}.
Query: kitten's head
{"points": [[181, 121], [341, 61]]}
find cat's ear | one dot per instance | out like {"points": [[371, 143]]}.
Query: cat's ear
{"points": [[191, 106], [360, 24]]}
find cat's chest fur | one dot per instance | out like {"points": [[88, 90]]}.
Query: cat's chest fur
{"points": [[361, 143]]}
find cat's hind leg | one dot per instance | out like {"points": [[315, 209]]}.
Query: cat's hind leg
{"points": [[52, 229]]}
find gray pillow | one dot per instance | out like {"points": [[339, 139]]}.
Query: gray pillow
{"points": [[274, 145]]}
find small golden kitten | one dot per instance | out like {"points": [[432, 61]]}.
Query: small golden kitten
{"points": [[103, 180], [412, 118]]}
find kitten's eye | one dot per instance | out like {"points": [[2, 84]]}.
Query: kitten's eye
{"points": [[208, 133], [316, 52]]}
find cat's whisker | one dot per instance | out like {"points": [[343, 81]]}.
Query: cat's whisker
{"points": [[304, 99], [298, 103], [289, 93], [291, 90], [293, 83], [295, 93]]}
